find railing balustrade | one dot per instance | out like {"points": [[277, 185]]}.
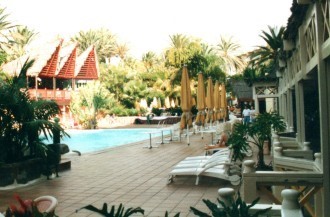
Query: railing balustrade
{"points": [[57, 95], [307, 182], [290, 205]]}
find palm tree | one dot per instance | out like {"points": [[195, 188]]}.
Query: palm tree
{"points": [[270, 54], [228, 51], [5, 25], [20, 38], [213, 67], [178, 54], [102, 39], [134, 90], [149, 60], [121, 50]]}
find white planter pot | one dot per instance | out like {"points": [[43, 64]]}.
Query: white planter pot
{"points": [[288, 45]]}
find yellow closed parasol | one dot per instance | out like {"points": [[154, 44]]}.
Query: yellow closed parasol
{"points": [[217, 101], [200, 118], [223, 102], [209, 101], [185, 101]]}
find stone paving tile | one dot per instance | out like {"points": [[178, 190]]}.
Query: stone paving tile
{"points": [[130, 174]]}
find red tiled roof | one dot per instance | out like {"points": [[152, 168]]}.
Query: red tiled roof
{"points": [[87, 65], [53, 60], [50, 68], [67, 62]]}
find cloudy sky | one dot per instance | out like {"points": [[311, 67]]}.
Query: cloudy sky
{"points": [[145, 25]]}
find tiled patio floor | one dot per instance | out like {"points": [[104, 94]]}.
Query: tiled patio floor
{"points": [[130, 174]]}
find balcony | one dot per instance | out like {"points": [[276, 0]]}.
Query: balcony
{"points": [[62, 97]]}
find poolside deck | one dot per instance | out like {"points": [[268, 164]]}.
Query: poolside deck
{"points": [[130, 174]]}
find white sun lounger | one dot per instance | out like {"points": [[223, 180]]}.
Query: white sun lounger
{"points": [[212, 170], [222, 151], [202, 162], [218, 167]]}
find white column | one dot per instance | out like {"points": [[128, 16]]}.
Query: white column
{"points": [[289, 108], [300, 112], [324, 99]]}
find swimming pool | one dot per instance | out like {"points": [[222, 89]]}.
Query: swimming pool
{"points": [[86, 141]]}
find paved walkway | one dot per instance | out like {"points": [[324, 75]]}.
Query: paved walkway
{"points": [[131, 175]]}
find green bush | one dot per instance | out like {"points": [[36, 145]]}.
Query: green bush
{"points": [[121, 111], [157, 111]]}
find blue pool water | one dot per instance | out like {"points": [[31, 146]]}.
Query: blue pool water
{"points": [[86, 141]]}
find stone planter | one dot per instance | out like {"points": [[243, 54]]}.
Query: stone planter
{"points": [[6, 174], [21, 172]]}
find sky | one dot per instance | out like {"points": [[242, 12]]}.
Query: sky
{"points": [[146, 25]]}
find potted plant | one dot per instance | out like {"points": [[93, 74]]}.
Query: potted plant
{"points": [[256, 133]]}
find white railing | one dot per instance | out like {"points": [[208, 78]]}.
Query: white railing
{"points": [[292, 148], [311, 180], [290, 205]]}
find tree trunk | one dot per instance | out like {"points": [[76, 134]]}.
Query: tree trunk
{"points": [[261, 166], [261, 162]]}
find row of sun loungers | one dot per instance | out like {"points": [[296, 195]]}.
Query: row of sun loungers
{"points": [[218, 165]]}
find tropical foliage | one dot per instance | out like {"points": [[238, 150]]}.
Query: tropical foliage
{"points": [[265, 59], [229, 53], [102, 39], [13, 38], [20, 38], [88, 101], [236, 208], [22, 120], [256, 133], [120, 212]]}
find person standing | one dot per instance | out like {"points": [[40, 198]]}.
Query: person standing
{"points": [[252, 114], [246, 115]]}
